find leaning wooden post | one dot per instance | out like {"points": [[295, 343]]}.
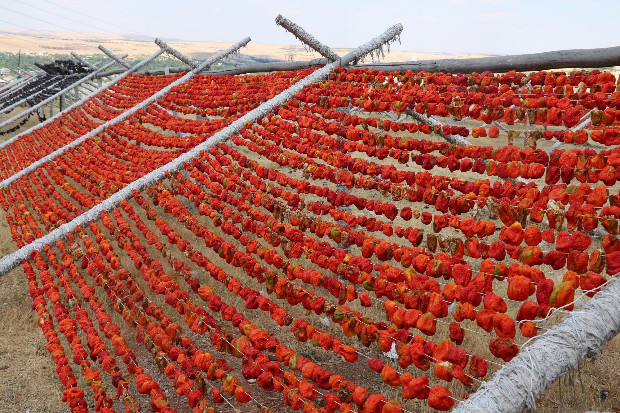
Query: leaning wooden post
{"points": [[176, 53], [119, 59], [83, 61], [523, 380], [453, 139], [326, 52], [310, 41], [307, 38], [12, 260]]}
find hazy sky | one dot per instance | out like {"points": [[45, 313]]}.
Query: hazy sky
{"points": [[455, 26]]}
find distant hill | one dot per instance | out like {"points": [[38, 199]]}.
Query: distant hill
{"points": [[137, 46]]}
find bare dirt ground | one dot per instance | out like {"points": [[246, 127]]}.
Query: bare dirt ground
{"points": [[28, 380]]}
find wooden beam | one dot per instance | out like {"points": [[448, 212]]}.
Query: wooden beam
{"points": [[523, 380], [562, 59], [84, 62], [174, 52], [559, 59], [453, 139], [111, 55], [308, 39]]}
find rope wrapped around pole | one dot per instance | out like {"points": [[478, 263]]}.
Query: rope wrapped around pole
{"points": [[559, 350]]}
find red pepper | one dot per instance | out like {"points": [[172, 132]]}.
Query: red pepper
{"points": [[504, 348], [440, 398]]}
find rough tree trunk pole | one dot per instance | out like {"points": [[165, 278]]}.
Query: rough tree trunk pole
{"points": [[559, 59], [577, 58], [125, 114], [307, 38], [120, 59], [124, 73], [84, 62], [12, 260], [326, 52], [61, 93], [176, 53]]}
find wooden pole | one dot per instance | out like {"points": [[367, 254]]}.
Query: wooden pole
{"points": [[119, 59], [453, 139], [523, 380], [84, 62], [174, 52], [562, 59], [307, 38], [559, 59]]}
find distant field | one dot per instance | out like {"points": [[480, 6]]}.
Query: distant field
{"points": [[67, 42]]}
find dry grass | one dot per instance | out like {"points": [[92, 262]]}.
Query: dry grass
{"points": [[28, 380]]}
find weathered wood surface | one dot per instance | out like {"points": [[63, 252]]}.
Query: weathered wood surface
{"points": [[559, 59]]}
